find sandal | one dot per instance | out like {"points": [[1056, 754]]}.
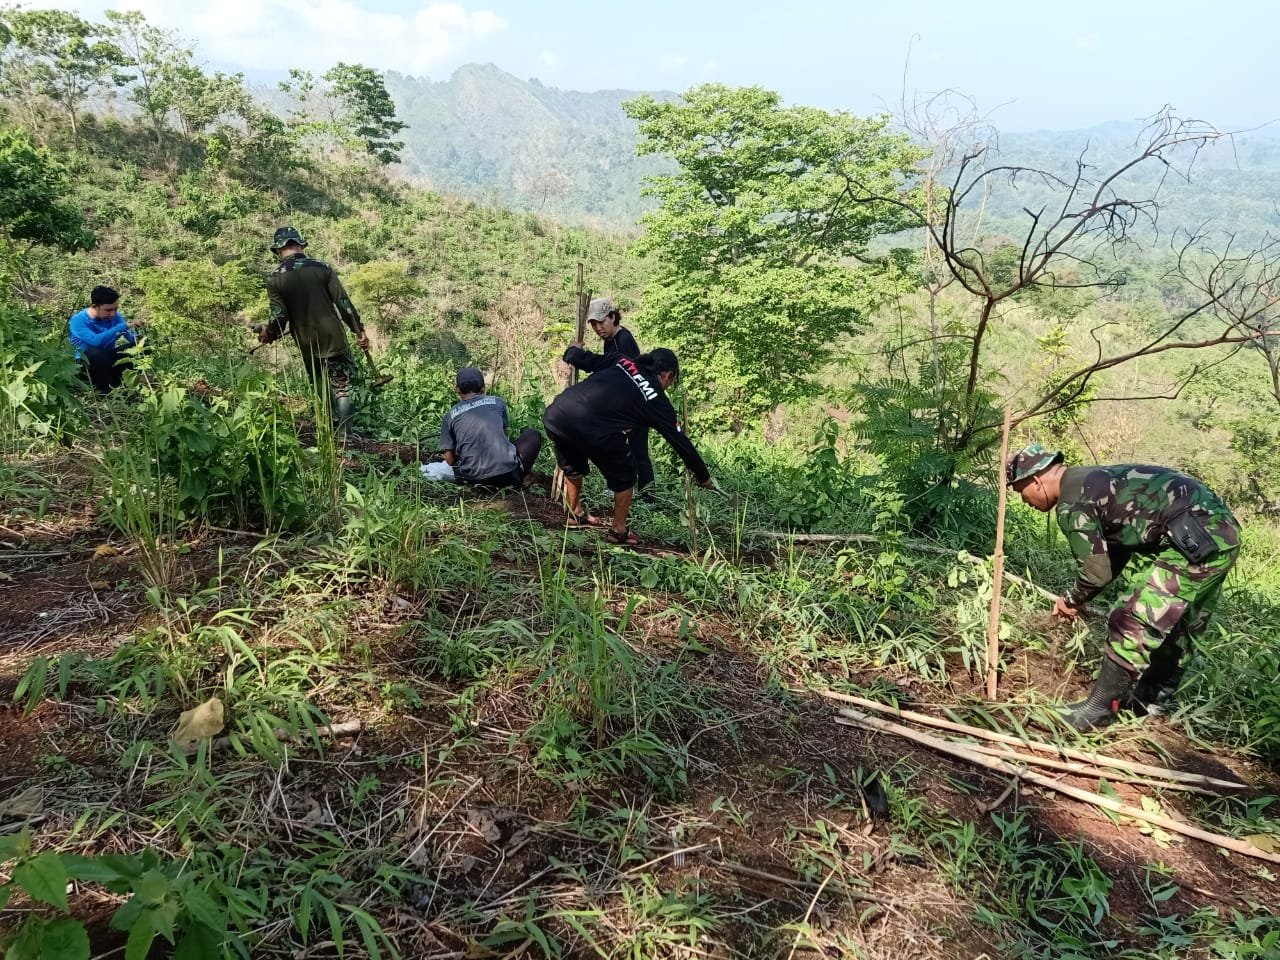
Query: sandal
{"points": [[583, 519], [623, 538]]}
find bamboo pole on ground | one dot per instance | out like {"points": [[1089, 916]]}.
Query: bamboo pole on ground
{"points": [[997, 576], [1070, 753], [856, 719]]}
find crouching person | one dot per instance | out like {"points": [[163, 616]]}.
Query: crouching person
{"points": [[1179, 540], [100, 335], [590, 422], [474, 437]]}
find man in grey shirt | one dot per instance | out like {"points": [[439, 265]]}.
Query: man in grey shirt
{"points": [[474, 437]]}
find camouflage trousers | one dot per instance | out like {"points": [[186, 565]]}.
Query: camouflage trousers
{"points": [[1170, 598], [331, 377]]}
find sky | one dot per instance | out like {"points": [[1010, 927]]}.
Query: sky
{"points": [[1027, 66]]}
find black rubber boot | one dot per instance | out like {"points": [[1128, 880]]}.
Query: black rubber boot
{"points": [[344, 412], [1097, 710], [1153, 693]]}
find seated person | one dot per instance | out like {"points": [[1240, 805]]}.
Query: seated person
{"points": [[100, 334], [606, 323], [474, 437], [590, 421]]}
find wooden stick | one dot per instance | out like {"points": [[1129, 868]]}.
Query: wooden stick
{"points": [[1081, 769], [796, 883], [997, 576], [1097, 759], [856, 719], [583, 304], [690, 503]]}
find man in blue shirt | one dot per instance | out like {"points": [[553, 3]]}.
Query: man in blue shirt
{"points": [[474, 437], [100, 334]]}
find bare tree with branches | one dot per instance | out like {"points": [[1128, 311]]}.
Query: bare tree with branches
{"points": [[1074, 242]]}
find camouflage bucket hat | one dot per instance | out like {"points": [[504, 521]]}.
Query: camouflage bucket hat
{"points": [[284, 235], [1030, 460]]}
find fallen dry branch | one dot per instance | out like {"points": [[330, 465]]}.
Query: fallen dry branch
{"points": [[1084, 756], [855, 718], [1088, 770]]}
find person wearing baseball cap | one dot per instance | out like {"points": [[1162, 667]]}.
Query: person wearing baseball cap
{"points": [[606, 322], [474, 439], [1183, 540]]}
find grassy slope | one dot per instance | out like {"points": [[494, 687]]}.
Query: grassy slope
{"points": [[545, 721]]}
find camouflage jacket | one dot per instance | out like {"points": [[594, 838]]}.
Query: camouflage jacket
{"points": [[1110, 513], [306, 299]]}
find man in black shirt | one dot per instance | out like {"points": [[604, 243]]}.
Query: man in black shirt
{"points": [[589, 422], [606, 323], [474, 437]]}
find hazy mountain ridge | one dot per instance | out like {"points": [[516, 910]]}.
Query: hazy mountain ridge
{"points": [[490, 136]]}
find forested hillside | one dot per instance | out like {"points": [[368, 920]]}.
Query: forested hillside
{"points": [[270, 691], [519, 144], [500, 140]]}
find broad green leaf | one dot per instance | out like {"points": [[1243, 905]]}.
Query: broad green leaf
{"points": [[45, 879], [64, 939], [151, 888], [198, 943], [140, 938]]}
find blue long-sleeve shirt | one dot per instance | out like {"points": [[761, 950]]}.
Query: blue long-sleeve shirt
{"points": [[86, 332]]}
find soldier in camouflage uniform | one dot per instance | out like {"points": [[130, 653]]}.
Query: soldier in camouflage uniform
{"points": [[1186, 541], [307, 298]]}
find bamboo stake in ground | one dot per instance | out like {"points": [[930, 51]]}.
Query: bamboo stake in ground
{"points": [[854, 718], [997, 576], [557, 478], [1097, 759], [690, 503]]}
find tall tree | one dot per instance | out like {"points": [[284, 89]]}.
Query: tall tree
{"points": [[369, 115], [349, 103], [170, 83], [149, 51], [57, 55], [763, 259], [1066, 256]]}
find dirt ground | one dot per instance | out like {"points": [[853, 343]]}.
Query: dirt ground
{"points": [[782, 762]]}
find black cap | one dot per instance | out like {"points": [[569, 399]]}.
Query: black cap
{"points": [[470, 380]]}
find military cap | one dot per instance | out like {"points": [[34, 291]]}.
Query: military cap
{"points": [[283, 235], [1030, 460]]}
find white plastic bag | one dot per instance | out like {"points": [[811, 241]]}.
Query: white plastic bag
{"points": [[437, 471]]}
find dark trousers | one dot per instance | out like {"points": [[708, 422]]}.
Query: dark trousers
{"points": [[638, 441], [104, 367], [528, 446]]}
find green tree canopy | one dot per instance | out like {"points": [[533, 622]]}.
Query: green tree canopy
{"points": [[369, 115], [32, 185], [57, 55], [349, 103], [763, 260]]}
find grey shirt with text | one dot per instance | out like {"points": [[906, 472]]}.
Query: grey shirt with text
{"points": [[476, 431]]}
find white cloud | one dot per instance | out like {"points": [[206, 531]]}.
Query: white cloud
{"points": [[710, 67], [315, 34], [1086, 42], [549, 57], [672, 61]]}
